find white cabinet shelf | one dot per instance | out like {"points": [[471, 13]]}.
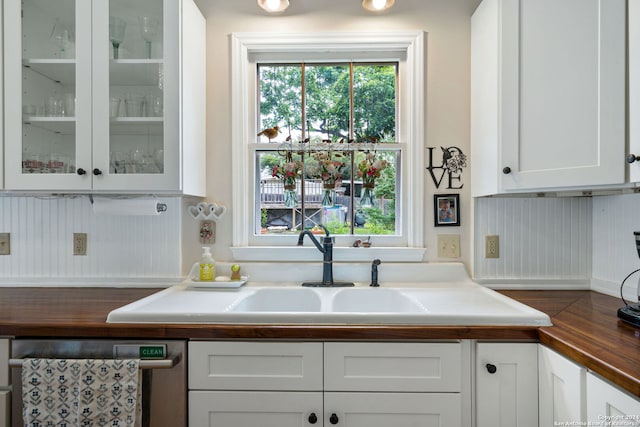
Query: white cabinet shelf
{"points": [[58, 70], [135, 72]]}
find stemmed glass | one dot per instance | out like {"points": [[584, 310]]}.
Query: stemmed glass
{"points": [[149, 27], [116, 33], [61, 36]]}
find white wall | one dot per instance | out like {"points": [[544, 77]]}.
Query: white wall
{"points": [[615, 218], [132, 247], [543, 241], [447, 24]]}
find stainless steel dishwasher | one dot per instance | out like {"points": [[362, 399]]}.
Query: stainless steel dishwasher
{"points": [[164, 387]]}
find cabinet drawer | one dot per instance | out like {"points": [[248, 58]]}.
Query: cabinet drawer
{"points": [[433, 367], [254, 408], [393, 409], [255, 366]]}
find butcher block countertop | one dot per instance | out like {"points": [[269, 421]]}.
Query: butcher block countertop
{"points": [[585, 329]]}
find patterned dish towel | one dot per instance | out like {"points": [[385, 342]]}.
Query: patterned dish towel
{"points": [[81, 393]]}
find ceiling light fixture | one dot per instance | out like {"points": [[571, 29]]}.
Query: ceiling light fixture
{"points": [[377, 5], [274, 6]]}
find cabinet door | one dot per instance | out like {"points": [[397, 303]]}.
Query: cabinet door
{"points": [[47, 83], [506, 385], [392, 409], [634, 88], [255, 409], [562, 389], [608, 405], [1, 104], [5, 408], [136, 107], [563, 93]]}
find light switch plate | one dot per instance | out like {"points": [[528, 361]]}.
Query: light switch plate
{"points": [[5, 243], [448, 246]]}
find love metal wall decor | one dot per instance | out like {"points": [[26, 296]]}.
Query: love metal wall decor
{"points": [[452, 162]]}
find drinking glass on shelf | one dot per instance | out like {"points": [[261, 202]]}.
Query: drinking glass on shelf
{"points": [[69, 104], [61, 36], [57, 163], [149, 27], [116, 33], [158, 157], [134, 104], [118, 159], [55, 106], [114, 107], [154, 105]]}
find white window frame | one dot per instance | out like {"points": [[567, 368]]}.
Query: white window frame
{"points": [[408, 48]]}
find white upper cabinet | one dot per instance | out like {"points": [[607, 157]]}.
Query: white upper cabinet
{"points": [[1, 108], [634, 91], [548, 94], [105, 96]]}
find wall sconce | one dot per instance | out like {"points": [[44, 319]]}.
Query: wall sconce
{"points": [[274, 6], [377, 5]]}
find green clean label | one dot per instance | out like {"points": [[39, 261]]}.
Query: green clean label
{"points": [[152, 352]]}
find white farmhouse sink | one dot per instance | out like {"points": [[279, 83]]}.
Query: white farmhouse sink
{"points": [[458, 302], [279, 300], [375, 300]]}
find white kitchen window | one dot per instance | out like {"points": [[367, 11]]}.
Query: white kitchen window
{"points": [[253, 53]]}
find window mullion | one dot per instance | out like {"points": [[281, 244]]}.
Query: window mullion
{"points": [[352, 197], [302, 156]]}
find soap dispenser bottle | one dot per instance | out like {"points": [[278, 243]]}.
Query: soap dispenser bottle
{"points": [[207, 272]]}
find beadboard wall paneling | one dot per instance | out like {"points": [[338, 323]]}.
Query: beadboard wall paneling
{"points": [[117, 246], [546, 239], [615, 218]]}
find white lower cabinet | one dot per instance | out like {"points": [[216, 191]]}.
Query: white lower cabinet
{"points": [[5, 408], [5, 392], [562, 389], [506, 385], [570, 395], [608, 405], [265, 384]]}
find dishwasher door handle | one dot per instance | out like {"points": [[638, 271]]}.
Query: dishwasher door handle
{"points": [[144, 363]]}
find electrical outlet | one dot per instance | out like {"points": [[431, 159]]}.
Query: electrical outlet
{"points": [[79, 243], [491, 247], [5, 243], [449, 246]]}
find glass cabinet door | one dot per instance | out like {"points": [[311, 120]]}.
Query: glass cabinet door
{"points": [[135, 75], [88, 88], [47, 102]]}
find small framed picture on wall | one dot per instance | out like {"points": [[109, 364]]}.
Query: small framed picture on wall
{"points": [[446, 209]]}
